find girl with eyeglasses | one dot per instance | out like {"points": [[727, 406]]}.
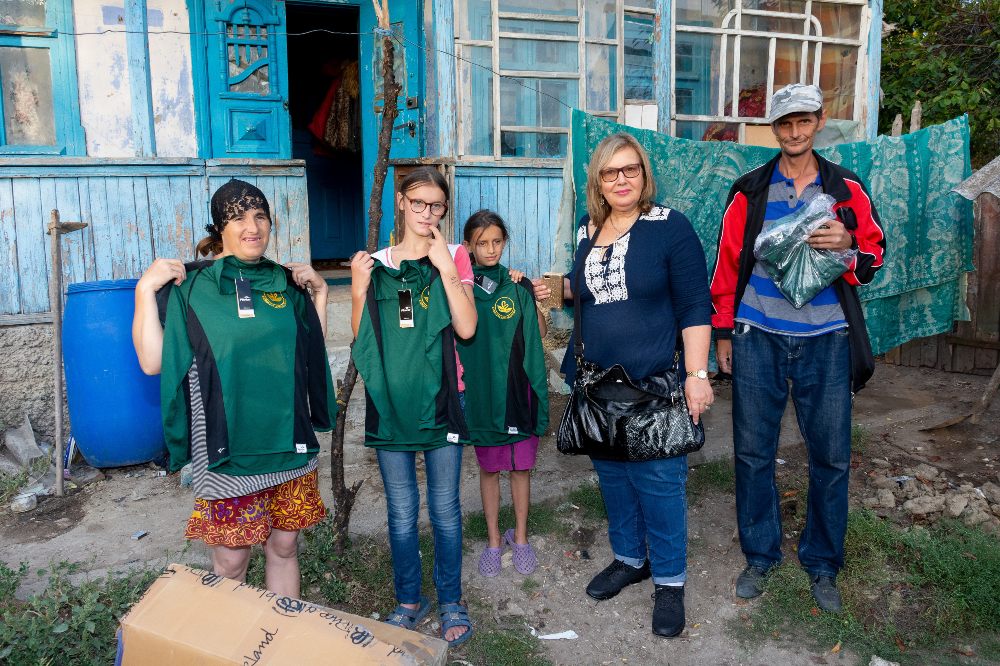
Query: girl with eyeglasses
{"points": [[409, 302], [643, 285]]}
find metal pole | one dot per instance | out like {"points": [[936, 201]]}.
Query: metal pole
{"points": [[55, 304]]}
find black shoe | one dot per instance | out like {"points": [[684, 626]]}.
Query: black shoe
{"points": [[750, 582], [826, 594], [615, 577], [668, 610]]}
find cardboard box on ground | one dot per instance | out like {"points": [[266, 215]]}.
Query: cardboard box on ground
{"points": [[193, 617]]}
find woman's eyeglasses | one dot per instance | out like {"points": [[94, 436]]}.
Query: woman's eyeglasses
{"points": [[610, 174], [419, 206]]}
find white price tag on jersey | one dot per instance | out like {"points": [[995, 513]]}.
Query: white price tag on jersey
{"points": [[301, 448]]}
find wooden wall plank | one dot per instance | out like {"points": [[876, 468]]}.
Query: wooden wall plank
{"points": [[75, 245], [86, 215], [298, 213], [180, 212], [529, 222], [166, 231], [200, 212], [502, 206], [108, 242], [143, 224], [32, 248], [10, 296], [987, 303], [127, 227]]}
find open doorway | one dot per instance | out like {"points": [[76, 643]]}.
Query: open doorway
{"points": [[324, 105]]}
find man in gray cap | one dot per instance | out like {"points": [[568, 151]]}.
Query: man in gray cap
{"points": [[822, 347]]}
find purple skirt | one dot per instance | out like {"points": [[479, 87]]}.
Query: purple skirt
{"points": [[518, 456]]}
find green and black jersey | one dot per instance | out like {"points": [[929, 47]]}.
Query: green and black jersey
{"points": [[506, 390], [264, 380], [411, 372]]}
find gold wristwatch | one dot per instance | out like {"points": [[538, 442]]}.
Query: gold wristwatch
{"points": [[700, 374]]}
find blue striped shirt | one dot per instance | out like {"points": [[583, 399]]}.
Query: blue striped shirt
{"points": [[763, 305]]}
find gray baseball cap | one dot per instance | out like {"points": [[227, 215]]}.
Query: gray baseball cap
{"points": [[795, 98]]}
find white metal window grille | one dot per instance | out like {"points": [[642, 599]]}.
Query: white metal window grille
{"points": [[730, 56], [247, 61], [551, 57]]}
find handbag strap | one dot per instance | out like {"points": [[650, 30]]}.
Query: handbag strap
{"points": [[577, 314]]}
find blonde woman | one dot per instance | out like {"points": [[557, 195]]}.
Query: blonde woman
{"points": [[644, 285]]}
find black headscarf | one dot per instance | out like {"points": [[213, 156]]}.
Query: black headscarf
{"points": [[231, 201]]}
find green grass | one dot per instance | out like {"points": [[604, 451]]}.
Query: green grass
{"points": [[910, 596], [503, 645], [588, 497], [66, 623], [717, 475], [860, 436], [10, 484], [529, 586]]}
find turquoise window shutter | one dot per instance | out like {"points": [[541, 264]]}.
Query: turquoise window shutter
{"points": [[248, 90]]}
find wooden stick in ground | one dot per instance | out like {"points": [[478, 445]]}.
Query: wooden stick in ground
{"points": [[988, 395], [55, 304], [343, 497]]}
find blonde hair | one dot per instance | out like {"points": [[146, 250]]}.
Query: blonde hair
{"points": [[597, 206]]}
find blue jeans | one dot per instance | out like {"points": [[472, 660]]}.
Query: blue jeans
{"points": [[647, 513], [399, 475], [819, 368]]}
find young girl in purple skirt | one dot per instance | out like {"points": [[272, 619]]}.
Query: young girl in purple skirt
{"points": [[506, 392]]}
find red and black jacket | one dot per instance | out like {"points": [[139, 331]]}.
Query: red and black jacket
{"points": [[742, 222]]}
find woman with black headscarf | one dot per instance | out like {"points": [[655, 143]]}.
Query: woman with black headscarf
{"points": [[239, 342]]}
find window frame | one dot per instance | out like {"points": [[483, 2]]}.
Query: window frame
{"points": [[56, 38], [582, 41], [811, 40]]}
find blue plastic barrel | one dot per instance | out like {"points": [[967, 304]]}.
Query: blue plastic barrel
{"points": [[114, 408]]}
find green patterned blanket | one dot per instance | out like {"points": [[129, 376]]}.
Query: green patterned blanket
{"points": [[921, 289]]}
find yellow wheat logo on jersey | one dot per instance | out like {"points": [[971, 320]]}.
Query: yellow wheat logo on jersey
{"points": [[425, 297], [275, 299], [504, 307]]}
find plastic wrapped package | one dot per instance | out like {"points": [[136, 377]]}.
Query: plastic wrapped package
{"points": [[799, 271]]}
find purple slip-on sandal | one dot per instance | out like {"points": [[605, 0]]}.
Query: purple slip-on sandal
{"points": [[489, 562], [525, 561]]}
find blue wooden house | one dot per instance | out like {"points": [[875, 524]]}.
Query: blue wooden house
{"points": [[127, 115]]}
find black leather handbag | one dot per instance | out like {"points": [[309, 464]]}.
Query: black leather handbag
{"points": [[611, 416]]}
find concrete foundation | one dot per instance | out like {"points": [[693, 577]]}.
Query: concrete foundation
{"points": [[26, 379]]}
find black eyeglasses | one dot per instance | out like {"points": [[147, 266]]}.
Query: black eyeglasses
{"points": [[418, 206], [610, 174]]}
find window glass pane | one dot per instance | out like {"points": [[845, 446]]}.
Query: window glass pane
{"points": [[696, 72], [602, 78], [27, 96], [472, 17], [538, 55], [838, 20], [837, 73], [475, 85], [22, 12], [560, 7], [539, 27], [702, 12], [703, 131], [787, 63], [246, 46], [773, 24], [600, 19], [645, 4], [532, 144], [787, 6], [753, 78], [638, 57], [538, 102]]}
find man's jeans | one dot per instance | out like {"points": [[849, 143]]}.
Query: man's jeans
{"points": [[399, 475], [647, 512], [819, 369]]}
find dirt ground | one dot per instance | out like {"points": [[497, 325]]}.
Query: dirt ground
{"points": [[95, 525]]}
